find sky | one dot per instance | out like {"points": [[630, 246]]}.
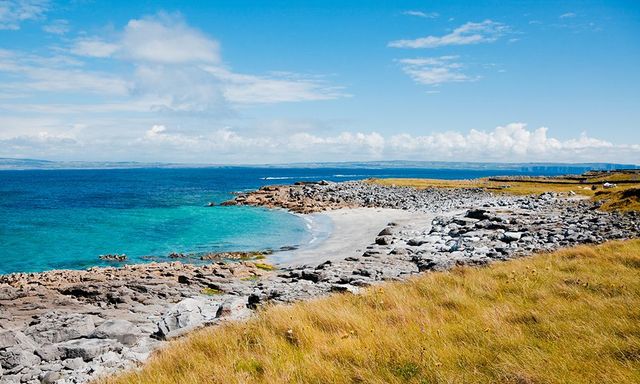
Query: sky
{"points": [[247, 82]]}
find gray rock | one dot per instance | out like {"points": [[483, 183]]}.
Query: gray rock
{"points": [[235, 308], [54, 328], [124, 331], [509, 237], [13, 338], [479, 214], [386, 232], [50, 377], [13, 357], [74, 364], [315, 276], [49, 352], [88, 349], [187, 315]]}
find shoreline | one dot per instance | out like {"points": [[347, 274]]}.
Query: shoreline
{"points": [[350, 231], [76, 326]]}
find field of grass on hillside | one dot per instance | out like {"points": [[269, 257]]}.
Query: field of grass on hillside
{"points": [[572, 316], [624, 197]]}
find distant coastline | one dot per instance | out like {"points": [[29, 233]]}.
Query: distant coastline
{"points": [[543, 167]]}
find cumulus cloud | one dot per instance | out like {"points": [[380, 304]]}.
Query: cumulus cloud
{"points": [[424, 15], [160, 142], [512, 142], [183, 70], [14, 12], [486, 31], [167, 39], [434, 70]]}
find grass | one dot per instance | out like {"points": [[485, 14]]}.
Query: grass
{"points": [[624, 197], [625, 200], [265, 266], [572, 316], [211, 291]]}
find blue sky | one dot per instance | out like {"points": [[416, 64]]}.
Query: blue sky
{"points": [[278, 81]]}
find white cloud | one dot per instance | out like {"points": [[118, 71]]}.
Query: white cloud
{"points": [[57, 27], [434, 70], [512, 142], [161, 142], [56, 74], [13, 12], [167, 39], [424, 15], [181, 68], [277, 88], [568, 15], [470, 33], [94, 47]]}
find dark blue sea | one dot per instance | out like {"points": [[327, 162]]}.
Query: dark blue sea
{"points": [[55, 219]]}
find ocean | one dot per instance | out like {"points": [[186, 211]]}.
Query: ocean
{"points": [[66, 219]]}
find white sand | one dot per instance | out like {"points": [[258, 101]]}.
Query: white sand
{"points": [[353, 230]]}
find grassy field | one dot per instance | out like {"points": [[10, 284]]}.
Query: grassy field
{"points": [[572, 316], [624, 197]]}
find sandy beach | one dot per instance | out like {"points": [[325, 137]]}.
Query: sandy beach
{"points": [[352, 231]]}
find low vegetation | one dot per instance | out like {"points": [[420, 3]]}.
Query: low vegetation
{"points": [[624, 196], [571, 316]]}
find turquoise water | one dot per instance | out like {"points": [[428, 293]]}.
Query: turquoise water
{"points": [[53, 219]]}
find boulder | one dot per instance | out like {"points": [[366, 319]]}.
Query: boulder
{"points": [[479, 214], [50, 377], [13, 357], [236, 308], [88, 349], [386, 232], [124, 331], [311, 275], [49, 352], [383, 240], [509, 237], [54, 328], [13, 338], [187, 315], [74, 364], [8, 292]]}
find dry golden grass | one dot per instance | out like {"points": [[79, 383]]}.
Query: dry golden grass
{"points": [[625, 199], [571, 316]]}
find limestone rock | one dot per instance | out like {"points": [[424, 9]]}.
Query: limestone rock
{"points": [[88, 349], [122, 330], [188, 314]]}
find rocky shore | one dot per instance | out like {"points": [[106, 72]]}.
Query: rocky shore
{"points": [[71, 326]]}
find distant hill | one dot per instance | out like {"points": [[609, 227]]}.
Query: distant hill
{"points": [[24, 164]]}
